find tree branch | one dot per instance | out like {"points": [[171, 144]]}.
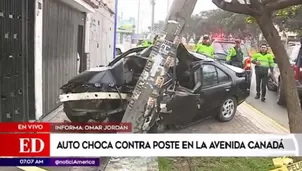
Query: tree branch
{"points": [[235, 6], [280, 4]]}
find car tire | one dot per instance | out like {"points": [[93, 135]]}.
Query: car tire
{"points": [[70, 115], [280, 95], [227, 110], [270, 85]]}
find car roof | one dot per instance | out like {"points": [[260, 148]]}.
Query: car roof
{"points": [[201, 56], [208, 59], [293, 43], [226, 41], [233, 68]]}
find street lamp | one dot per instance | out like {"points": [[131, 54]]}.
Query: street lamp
{"points": [[152, 15], [168, 6], [138, 17]]}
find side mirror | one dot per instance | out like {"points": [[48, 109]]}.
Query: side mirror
{"points": [[118, 51]]}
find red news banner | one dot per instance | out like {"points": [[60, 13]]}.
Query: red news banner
{"points": [[33, 139]]}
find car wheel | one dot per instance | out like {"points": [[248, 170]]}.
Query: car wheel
{"points": [[270, 85], [280, 95], [228, 110], [70, 115]]}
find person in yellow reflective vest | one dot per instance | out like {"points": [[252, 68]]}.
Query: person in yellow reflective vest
{"points": [[235, 55], [263, 61], [148, 43], [145, 44], [205, 47]]}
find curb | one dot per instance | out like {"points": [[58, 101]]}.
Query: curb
{"points": [[268, 119]]}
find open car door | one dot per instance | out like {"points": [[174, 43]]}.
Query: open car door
{"points": [[184, 102]]}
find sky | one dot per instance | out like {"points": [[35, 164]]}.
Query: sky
{"points": [[129, 8]]}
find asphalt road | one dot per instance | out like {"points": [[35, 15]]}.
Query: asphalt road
{"points": [[270, 107]]}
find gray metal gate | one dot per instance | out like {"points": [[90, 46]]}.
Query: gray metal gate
{"points": [[16, 60], [60, 46]]}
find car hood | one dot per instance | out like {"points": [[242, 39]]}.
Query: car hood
{"points": [[100, 75]]}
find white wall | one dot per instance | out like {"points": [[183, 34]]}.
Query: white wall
{"points": [[101, 37], [38, 47]]}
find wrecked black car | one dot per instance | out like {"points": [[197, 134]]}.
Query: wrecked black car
{"points": [[195, 88]]}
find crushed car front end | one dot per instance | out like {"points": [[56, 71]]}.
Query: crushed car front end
{"points": [[101, 94], [95, 94]]}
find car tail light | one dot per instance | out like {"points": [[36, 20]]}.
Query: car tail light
{"points": [[247, 64], [298, 72]]}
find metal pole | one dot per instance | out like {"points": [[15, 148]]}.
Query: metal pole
{"points": [[152, 17], [147, 91], [168, 5], [138, 17], [115, 28]]}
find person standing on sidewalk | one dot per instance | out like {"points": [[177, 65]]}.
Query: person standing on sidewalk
{"points": [[263, 61], [205, 47], [235, 55]]}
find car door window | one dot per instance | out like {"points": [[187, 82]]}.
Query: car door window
{"points": [[210, 77], [222, 76]]}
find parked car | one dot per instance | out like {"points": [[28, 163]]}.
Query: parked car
{"points": [[197, 87], [221, 48], [294, 51]]}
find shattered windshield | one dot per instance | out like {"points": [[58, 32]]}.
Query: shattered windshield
{"points": [[221, 49]]}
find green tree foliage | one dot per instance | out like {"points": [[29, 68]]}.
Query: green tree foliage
{"points": [[288, 19], [216, 21]]}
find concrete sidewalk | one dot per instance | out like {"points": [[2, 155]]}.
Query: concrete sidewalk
{"points": [[246, 120]]}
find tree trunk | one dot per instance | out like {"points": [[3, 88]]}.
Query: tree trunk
{"points": [[287, 75]]}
